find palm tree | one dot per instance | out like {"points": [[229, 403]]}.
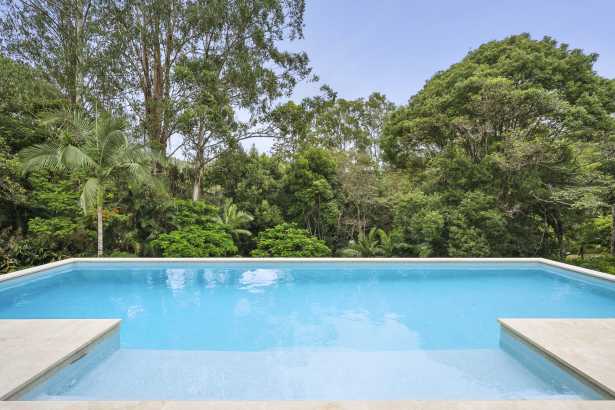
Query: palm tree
{"points": [[98, 148], [234, 219]]}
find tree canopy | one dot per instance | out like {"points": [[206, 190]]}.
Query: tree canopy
{"points": [[509, 152]]}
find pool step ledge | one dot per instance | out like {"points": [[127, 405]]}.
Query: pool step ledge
{"points": [[33, 350], [586, 347], [313, 405]]}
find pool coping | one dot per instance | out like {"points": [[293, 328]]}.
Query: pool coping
{"points": [[544, 261], [314, 405]]}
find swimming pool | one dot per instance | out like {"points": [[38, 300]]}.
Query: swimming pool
{"points": [[310, 330]]}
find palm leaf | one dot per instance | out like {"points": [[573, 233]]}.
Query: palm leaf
{"points": [[41, 156], [89, 194], [74, 158]]}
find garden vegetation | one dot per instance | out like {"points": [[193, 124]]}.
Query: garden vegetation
{"points": [[122, 126]]}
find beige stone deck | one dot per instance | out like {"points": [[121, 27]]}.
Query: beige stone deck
{"points": [[585, 346], [31, 350], [313, 405]]}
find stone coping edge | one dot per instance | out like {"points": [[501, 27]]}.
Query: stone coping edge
{"points": [[315, 405], [544, 261]]}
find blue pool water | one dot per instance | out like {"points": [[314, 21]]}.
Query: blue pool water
{"points": [[310, 330]]}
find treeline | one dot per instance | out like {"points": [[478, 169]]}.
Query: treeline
{"points": [[124, 121]]}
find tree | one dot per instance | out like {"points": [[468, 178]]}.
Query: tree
{"points": [[179, 53], [24, 94], [66, 41], [309, 192], [359, 189], [98, 150], [333, 123], [288, 240], [513, 120]]}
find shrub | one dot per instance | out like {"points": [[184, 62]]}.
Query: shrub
{"points": [[196, 241], [186, 213], [289, 240], [602, 263]]}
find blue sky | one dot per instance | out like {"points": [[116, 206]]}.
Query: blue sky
{"points": [[394, 46]]}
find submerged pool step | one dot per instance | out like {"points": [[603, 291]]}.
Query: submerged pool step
{"points": [[303, 374], [33, 351], [585, 347]]}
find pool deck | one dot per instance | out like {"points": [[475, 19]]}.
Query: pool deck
{"points": [[584, 346], [33, 349], [311, 405]]}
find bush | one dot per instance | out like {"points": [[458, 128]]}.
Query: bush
{"points": [[289, 240], [186, 213], [602, 263], [196, 241]]}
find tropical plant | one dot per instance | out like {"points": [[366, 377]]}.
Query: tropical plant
{"points": [[97, 150], [377, 242], [365, 245], [234, 219], [196, 241], [388, 242], [289, 240]]}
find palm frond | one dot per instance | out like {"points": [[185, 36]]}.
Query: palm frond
{"points": [[240, 232], [73, 157], [89, 194], [41, 156]]}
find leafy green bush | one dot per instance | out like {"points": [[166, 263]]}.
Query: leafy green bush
{"points": [[602, 263], [289, 240], [54, 238], [186, 213], [196, 241]]}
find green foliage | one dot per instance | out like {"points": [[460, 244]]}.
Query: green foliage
{"points": [[365, 245], [309, 186], [602, 263], [592, 235], [234, 219], [196, 241], [96, 150], [420, 219], [332, 123], [186, 213], [510, 152], [504, 138], [376, 243], [288, 240]]}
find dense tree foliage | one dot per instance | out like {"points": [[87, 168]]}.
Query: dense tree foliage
{"points": [[510, 152]]}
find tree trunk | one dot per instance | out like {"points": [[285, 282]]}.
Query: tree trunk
{"points": [[196, 189], [99, 223], [613, 229], [559, 233]]}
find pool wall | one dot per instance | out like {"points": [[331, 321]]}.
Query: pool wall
{"points": [[544, 261], [64, 375]]}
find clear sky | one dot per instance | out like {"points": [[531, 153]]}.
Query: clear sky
{"points": [[394, 46]]}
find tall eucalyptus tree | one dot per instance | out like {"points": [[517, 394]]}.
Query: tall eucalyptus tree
{"points": [[177, 53]]}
